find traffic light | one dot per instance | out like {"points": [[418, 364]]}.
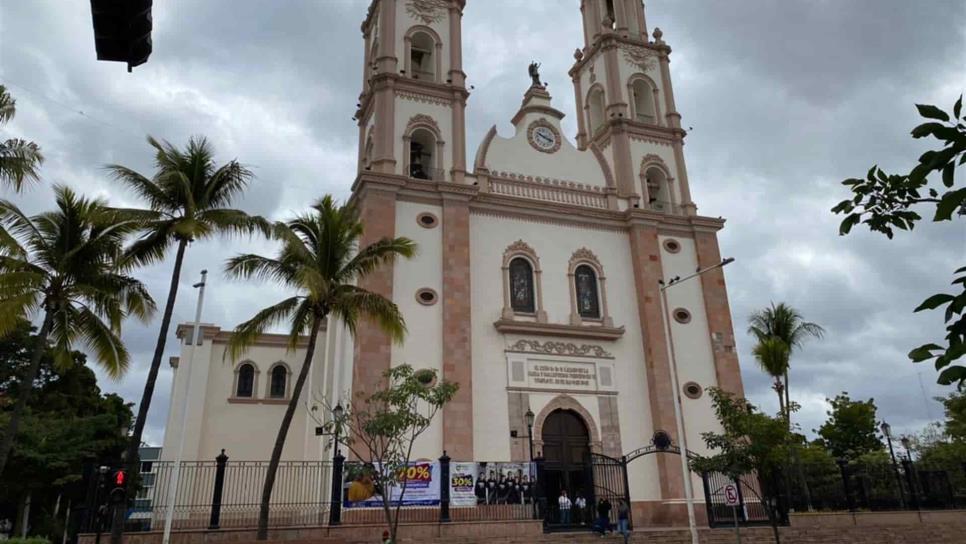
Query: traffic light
{"points": [[119, 478], [122, 30]]}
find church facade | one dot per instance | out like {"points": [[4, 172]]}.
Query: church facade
{"points": [[537, 282]]}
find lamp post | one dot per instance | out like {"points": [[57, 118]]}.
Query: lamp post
{"points": [[676, 394], [887, 432], [193, 345], [529, 415], [335, 509]]}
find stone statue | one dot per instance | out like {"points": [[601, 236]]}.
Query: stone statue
{"points": [[535, 74]]}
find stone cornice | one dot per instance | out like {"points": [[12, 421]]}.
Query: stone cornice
{"points": [[594, 332], [566, 349], [609, 40], [218, 336], [546, 110]]}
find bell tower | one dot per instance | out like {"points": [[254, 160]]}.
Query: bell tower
{"points": [[411, 111], [625, 106]]}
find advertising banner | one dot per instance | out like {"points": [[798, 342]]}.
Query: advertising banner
{"points": [[505, 483], [462, 482], [422, 486]]}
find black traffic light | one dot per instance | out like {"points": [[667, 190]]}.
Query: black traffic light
{"points": [[122, 30]]}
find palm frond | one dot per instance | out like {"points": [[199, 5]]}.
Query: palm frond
{"points": [[20, 161], [234, 222], [155, 196], [104, 342], [8, 106], [351, 303], [376, 255], [15, 308], [261, 268], [248, 332], [772, 355]]}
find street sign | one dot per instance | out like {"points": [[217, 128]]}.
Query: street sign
{"points": [[731, 495]]}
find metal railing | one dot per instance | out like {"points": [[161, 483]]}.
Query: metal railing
{"points": [[300, 496]]}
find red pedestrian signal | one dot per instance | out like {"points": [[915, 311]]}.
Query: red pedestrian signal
{"points": [[119, 478]]}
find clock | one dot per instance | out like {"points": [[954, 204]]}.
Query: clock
{"points": [[543, 136]]}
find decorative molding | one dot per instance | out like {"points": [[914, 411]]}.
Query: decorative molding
{"points": [[643, 58], [652, 159], [427, 11], [551, 347], [423, 99], [584, 255], [423, 120], [553, 182], [593, 332]]}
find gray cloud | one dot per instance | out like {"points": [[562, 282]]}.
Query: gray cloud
{"points": [[785, 100]]}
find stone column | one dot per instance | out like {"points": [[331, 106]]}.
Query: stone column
{"points": [[457, 345]]}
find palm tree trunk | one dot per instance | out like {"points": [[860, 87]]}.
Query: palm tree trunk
{"points": [[131, 454], [788, 405], [26, 383], [283, 432]]}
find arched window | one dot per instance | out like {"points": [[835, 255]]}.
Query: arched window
{"points": [[658, 192], [521, 286], [610, 15], [277, 385], [245, 386], [643, 95], [588, 299], [422, 56], [595, 105], [422, 155]]}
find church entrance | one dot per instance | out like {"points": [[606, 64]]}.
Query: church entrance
{"points": [[566, 451]]}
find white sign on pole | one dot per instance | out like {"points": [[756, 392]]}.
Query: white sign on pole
{"points": [[731, 495]]}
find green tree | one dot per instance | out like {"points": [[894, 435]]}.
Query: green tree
{"points": [[750, 443], [189, 198], [319, 261], [19, 159], [62, 265], [787, 324], [68, 421], [772, 355], [850, 430], [884, 202], [381, 430], [955, 409]]}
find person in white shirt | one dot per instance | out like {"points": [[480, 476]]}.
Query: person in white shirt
{"points": [[580, 505], [565, 504]]}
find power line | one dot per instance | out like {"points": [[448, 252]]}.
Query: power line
{"points": [[72, 109]]}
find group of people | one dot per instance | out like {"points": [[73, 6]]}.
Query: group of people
{"points": [[503, 489], [576, 511]]}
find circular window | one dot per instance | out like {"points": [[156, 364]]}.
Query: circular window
{"points": [[427, 220], [672, 245], [661, 440], [425, 377], [426, 297], [692, 390], [682, 316]]}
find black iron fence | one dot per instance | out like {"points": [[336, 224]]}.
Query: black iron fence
{"points": [[844, 485]]}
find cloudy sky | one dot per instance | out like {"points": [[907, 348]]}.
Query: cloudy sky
{"points": [[784, 100]]}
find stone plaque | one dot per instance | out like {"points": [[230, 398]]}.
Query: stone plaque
{"points": [[559, 375]]}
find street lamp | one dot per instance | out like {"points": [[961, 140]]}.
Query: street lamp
{"points": [[887, 431], [337, 414], [676, 394], [529, 415]]}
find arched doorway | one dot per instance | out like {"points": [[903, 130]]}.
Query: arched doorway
{"points": [[566, 452]]}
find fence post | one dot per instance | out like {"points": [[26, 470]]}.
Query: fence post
{"points": [[911, 480], [215, 521], [444, 487], [335, 509], [844, 468], [539, 497]]}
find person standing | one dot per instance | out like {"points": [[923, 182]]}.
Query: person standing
{"points": [[491, 489], [480, 489], [580, 508], [564, 503], [603, 516], [623, 519]]}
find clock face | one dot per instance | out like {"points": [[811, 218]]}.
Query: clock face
{"points": [[544, 138]]}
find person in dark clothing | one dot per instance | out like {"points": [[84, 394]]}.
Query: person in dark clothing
{"points": [[480, 489], [525, 490], [491, 489], [602, 524], [502, 489]]}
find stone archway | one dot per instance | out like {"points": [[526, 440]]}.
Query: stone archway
{"points": [[565, 402]]}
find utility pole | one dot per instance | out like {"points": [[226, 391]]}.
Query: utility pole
{"points": [[192, 344]]}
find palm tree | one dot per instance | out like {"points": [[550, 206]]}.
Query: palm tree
{"points": [[189, 199], [772, 356], [318, 260], [19, 159], [785, 323], [63, 264]]}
